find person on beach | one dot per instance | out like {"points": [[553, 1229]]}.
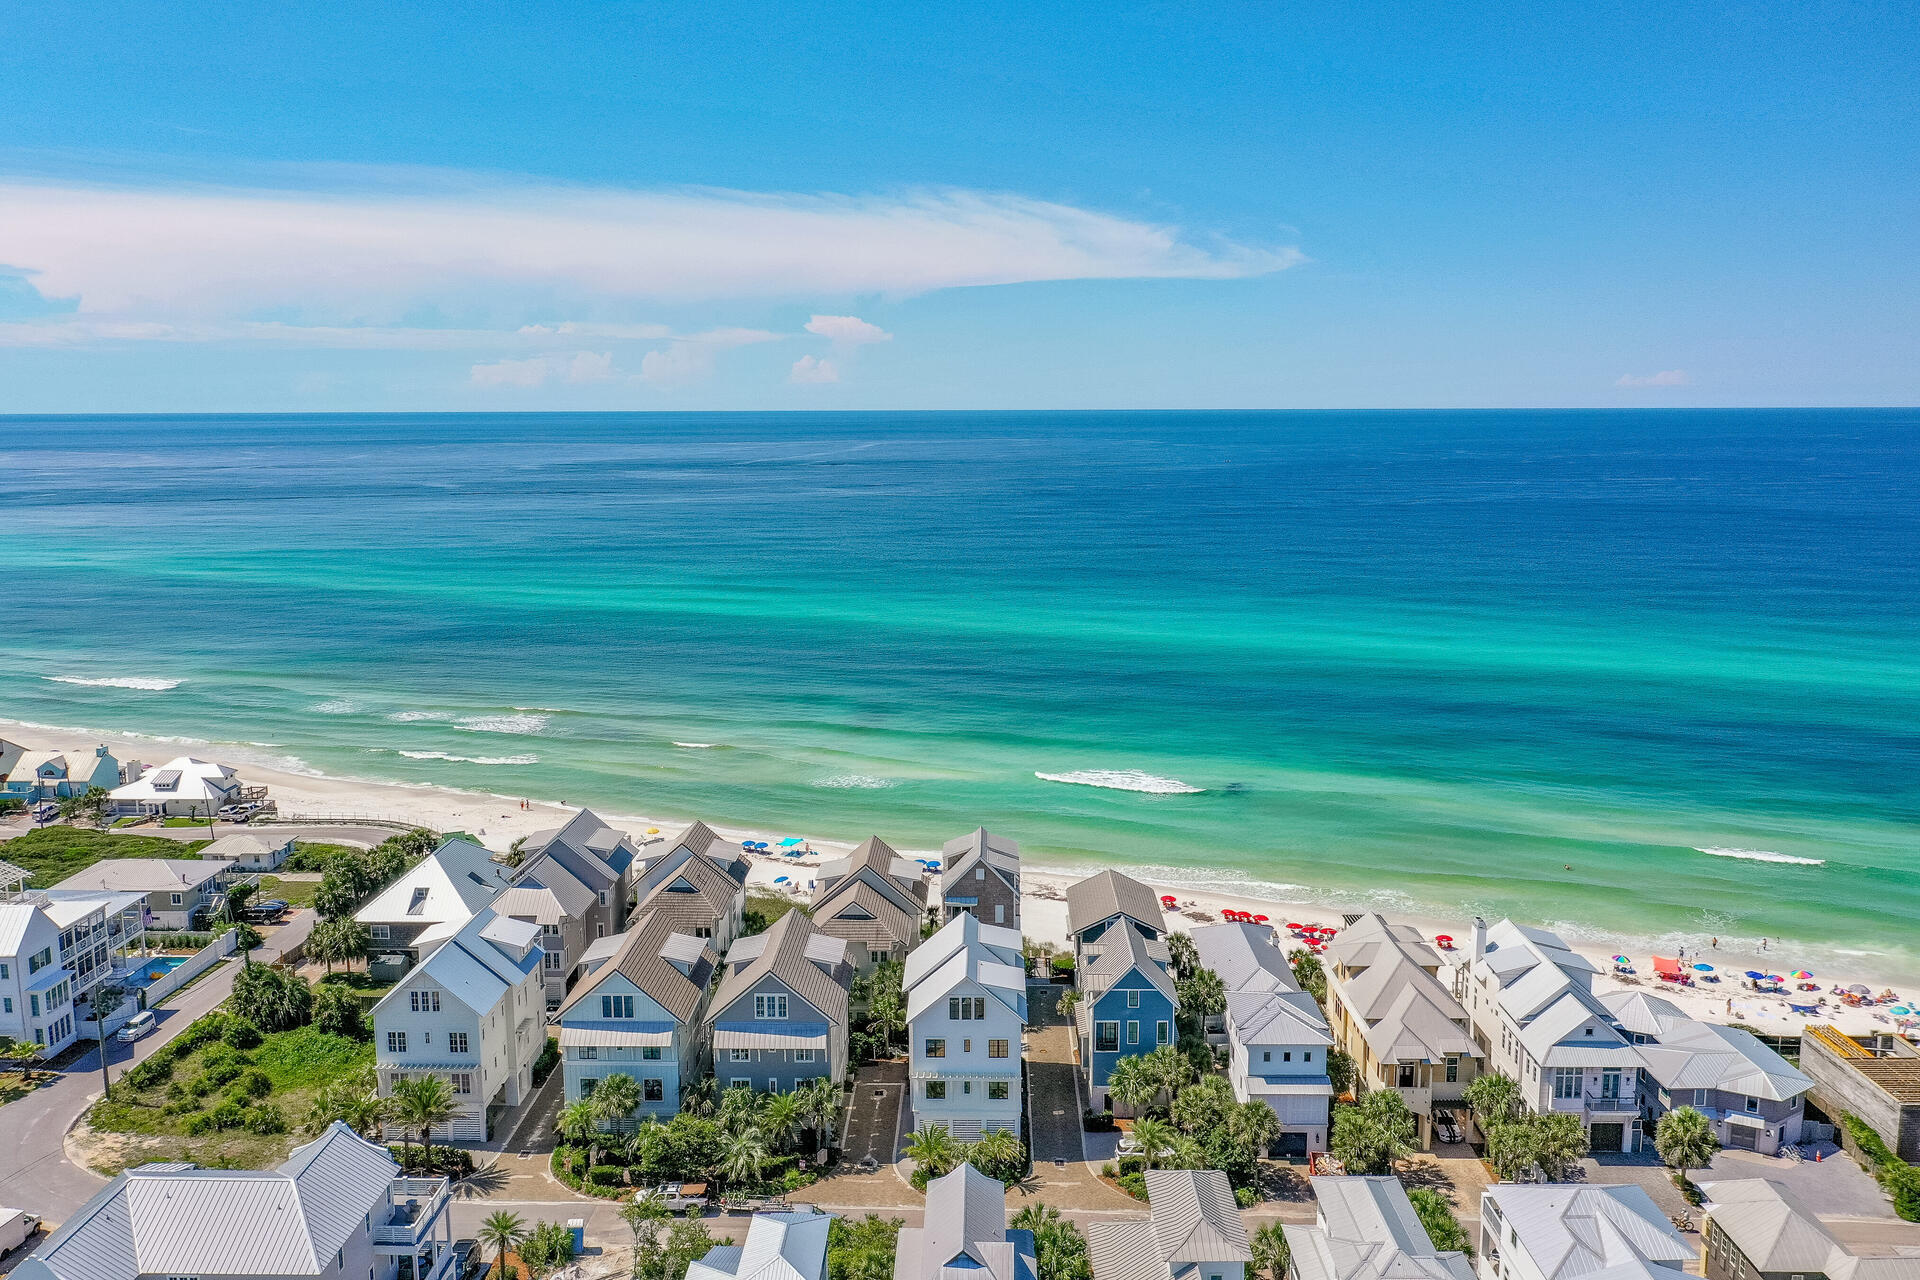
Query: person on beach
{"points": [[1716, 944]]}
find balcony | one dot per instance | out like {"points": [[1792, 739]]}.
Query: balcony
{"points": [[1611, 1104], [413, 1206]]}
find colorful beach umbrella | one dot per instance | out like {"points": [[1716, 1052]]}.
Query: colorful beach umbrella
{"points": [[1799, 975], [789, 842], [1259, 919], [1622, 960]]}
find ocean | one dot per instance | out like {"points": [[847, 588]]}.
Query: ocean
{"points": [[1637, 674]]}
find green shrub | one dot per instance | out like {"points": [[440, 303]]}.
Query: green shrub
{"points": [[199, 1124], [607, 1175], [265, 1118], [199, 1087], [240, 1033], [1899, 1179], [256, 1083], [1134, 1184], [219, 1073], [228, 1115], [183, 1106], [1245, 1197]]}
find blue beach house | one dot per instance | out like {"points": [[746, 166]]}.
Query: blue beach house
{"points": [[1127, 997], [637, 1012], [779, 1018], [54, 775]]}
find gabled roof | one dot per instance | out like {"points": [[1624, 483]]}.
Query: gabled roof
{"points": [[1118, 952], [1778, 1233], [1108, 894], [966, 1234], [541, 906], [459, 878], [995, 969], [242, 847], [783, 952], [963, 931], [701, 840], [1705, 1055], [192, 780], [1369, 938], [480, 964], [1264, 1003], [1368, 1230], [142, 875], [586, 846], [903, 880], [1572, 1230], [708, 896], [1640, 1012], [573, 894], [780, 1246], [173, 1219], [646, 958], [858, 912], [962, 854], [1193, 1219]]}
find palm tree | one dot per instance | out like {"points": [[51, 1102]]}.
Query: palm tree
{"points": [[1254, 1126], [1186, 957], [1169, 1068], [642, 1147], [1154, 1136], [1131, 1085], [934, 1150], [739, 1109], [421, 1102], [820, 1101], [886, 1018], [745, 1156], [1495, 1099], [236, 902], [998, 1154], [502, 1230], [613, 1099], [780, 1119], [696, 1099], [1202, 995], [1270, 1252], [1684, 1139], [576, 1123]]}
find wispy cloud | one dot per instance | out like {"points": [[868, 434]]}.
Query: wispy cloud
{"points": [[1665, 378], [807, 369], [581, 367], [510, 252], [847, 331], [692, 358]]}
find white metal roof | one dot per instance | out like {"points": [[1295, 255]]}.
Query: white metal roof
{"points": [[193, 780], [780, 1246], [598, 1038]]}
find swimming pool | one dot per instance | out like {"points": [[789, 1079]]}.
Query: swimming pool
{"points": [[154, 968]]}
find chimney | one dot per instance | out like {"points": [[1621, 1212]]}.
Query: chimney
{"points": [[1479, 938]]}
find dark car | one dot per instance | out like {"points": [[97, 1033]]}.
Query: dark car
{"points": [[271, 909]]}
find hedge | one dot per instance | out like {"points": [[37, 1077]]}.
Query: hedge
{"points": [[1898, 1178]]}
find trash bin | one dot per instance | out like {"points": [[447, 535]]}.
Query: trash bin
{"points": [[578, 1226]]}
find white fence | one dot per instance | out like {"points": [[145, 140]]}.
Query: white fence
{"points": [[202, 960], [342, 819]]}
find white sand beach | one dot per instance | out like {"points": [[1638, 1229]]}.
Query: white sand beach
{"points": [[497, 820]]}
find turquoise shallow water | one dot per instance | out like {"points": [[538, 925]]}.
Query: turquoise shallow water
{"points": [[1427, 660]]}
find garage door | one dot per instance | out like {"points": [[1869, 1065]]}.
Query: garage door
{"points": [[1738, 1135], [1607, 1137]]}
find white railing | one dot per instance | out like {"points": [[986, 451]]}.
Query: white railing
{"points": [[201, 961], [342, 819]]}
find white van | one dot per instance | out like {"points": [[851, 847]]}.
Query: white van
{"points": [[138, 1025]]}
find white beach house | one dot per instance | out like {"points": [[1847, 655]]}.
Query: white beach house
{"points": [[182, 787], [1572, 1231], [1277, 1037], [966, 992], [430, 902], [1366, 1229]]}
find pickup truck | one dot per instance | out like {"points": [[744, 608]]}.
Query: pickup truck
{"points": [[675, 1197]]}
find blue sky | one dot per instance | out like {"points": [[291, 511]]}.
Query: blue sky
{"points": [[627, 206]]}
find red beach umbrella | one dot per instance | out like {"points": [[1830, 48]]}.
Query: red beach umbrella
{"points": [[1259, 919]]}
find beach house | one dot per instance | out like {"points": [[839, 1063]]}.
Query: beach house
{"points": [[966, 993], [779, 1246], [1572, 1231], [1127, 997], [1753, 1097], [1277, 1039], [430, 902], [697, 841], [966, 1234], [700, 897], [1756, 1229], [875, 899], [1537, 1020], [183, 787], [473, 1013], [247, 851], [32, 776], [640, 1014], [1399, 1023], [181, 893], [337, 1208], [980, 873], [589, 854], [1108, 899], [1193, 1232], [779, 1018], [56, 947], [1366, 1229]]}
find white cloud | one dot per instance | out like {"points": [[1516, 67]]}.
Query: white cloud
{"points": [[847, 331], [692, 358], [808, 369], [581, 367], [346, 259], [1665, 378]]}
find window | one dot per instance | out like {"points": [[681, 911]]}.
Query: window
{"points": [[966, 1086], [651, 1053], [425, 1001], [1266, 1055], [462, 1082], [739, 1055], [36, 963], [936, 1049], [769, 1006], [176, 899], [1133, 999], [703, 931], [6, 1004], [379, 933], [4, 971], [603, 897], [588, 1053], [1453, 1070], [1133, 1033], [1753, 1106], [1610, 1083], [600, 931], [740, 1082], [877, 954], [1406, 1078], [1287, 1056], [396, 1042], [652, 1091], [33, 1000], [803, 1055], [1000, 913], [979, 873], [936, 1090], [456, 1042], [1161, 1031], [553, 961], [1566, 1082], [996, 1048], [996, 1090], [1106, 1036], [616, 1006], [966, 1008]]}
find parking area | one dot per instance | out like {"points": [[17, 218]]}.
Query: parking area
{"points": [[1835, 1186], [873, 1113]]}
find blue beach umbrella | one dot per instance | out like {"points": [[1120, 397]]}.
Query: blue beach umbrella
{"points": [[779, 879], [1703, 968], [1755, 974]]}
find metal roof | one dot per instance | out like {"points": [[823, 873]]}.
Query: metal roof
{"points": [[1702, 1055], [646, 958], [1571, 1230], [780, 1246], [789, 1035], [963, 853], [786, 952], [460, 877], [875, 862], [601, 1037], [1116, 953], [1366, 1229], [1108, 894]]}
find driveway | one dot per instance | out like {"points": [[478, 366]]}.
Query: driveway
{"points": [[872, 1125]]}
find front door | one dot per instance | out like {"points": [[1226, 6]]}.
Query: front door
{"points": [[1607, 1137]]}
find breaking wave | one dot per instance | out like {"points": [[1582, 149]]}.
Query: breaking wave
{"points": [[696, 746], [411, 717], [522, 722], [855, 782], [336, 707], [1123, 780], [1762, 855], [441, 755], [148, 683]]}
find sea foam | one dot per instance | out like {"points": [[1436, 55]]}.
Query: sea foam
{"points": [[855, 782], [441, 755], [412, 717], [1762, 855], [148, 683], [1123, 780], [336, 707], [696, 746], [523, 722]]}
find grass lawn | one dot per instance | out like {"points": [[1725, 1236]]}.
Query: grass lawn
{"points": [[312, 855], [17, 1084], [183, 822], [297, 893], [54, 853], [771, 905], [153, 1123]]}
